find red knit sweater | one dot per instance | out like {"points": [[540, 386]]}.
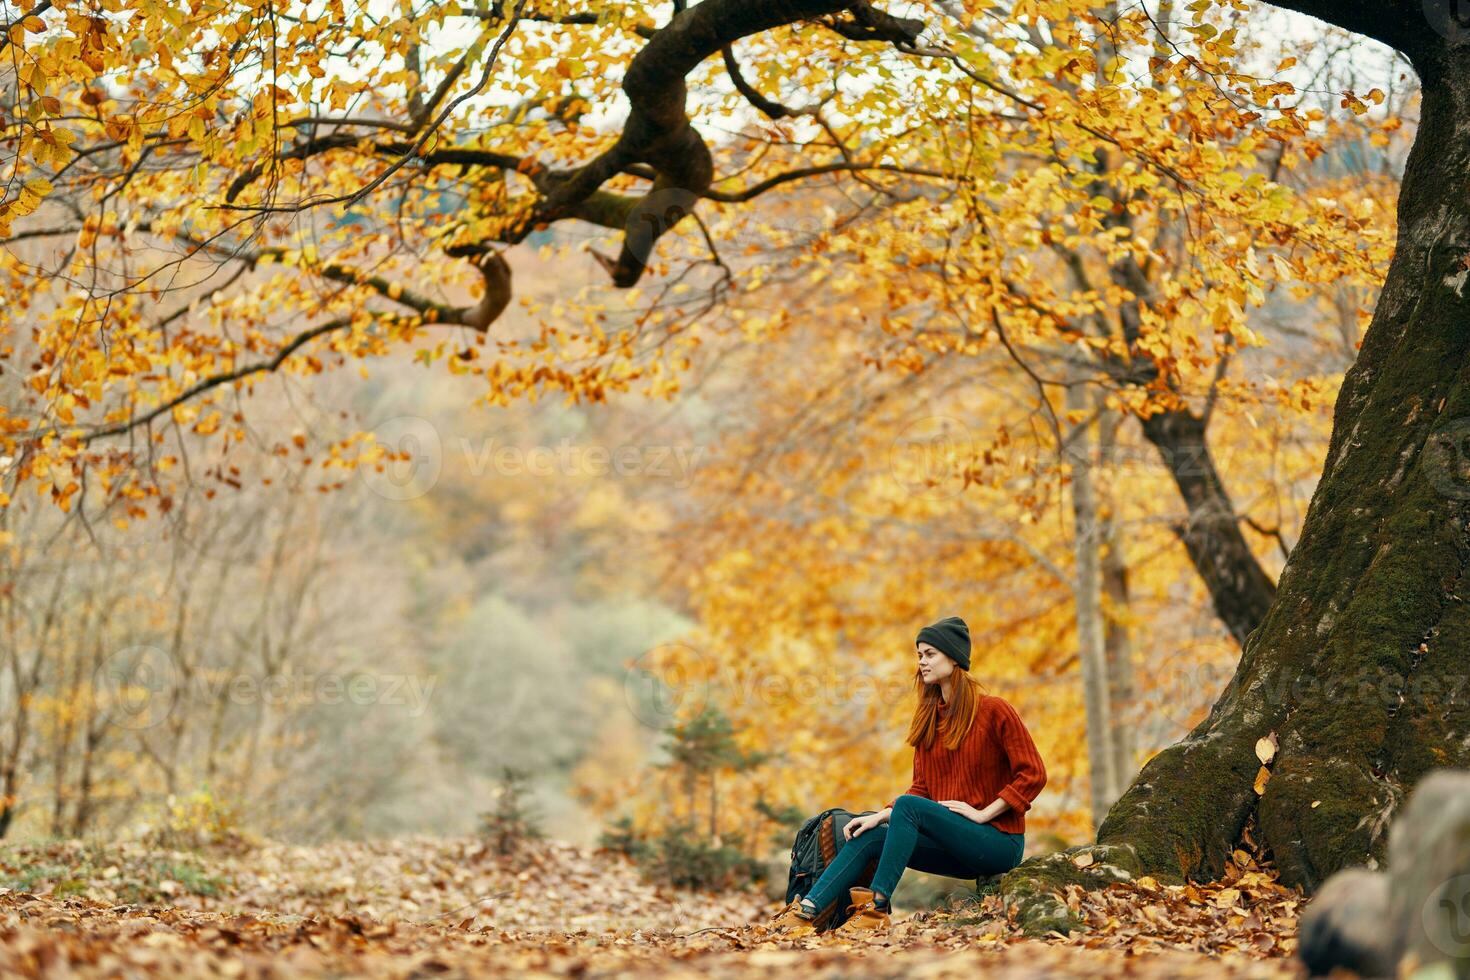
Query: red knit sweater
{"points": [[996, 759]]}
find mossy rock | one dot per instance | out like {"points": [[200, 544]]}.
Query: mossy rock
{"points": [[1036, 887]]}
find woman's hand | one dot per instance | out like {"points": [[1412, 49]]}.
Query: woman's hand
{"points": [[857, 825], [966, 810]]}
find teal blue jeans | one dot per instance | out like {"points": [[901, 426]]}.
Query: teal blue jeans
{"points": [[923, 835]]}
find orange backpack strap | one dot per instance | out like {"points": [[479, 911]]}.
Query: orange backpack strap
{"points": [[827, 839]]}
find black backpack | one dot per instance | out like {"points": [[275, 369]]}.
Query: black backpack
{"points": [[817, 844]]}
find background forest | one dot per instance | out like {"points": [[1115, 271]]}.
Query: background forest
{"points": [[836, 408]]}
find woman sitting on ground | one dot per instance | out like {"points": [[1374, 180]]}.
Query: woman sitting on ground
{"points": [[976, 772]]}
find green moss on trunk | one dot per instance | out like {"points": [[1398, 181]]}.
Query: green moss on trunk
{"points": [[1035, 887], [1359, 665]]}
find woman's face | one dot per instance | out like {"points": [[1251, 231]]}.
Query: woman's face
{"points": [[933, 665]]}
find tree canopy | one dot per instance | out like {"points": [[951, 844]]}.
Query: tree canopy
{"points": [[202, 195]]}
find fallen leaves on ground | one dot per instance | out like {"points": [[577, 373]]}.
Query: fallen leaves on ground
{"points": [[414, 907]]}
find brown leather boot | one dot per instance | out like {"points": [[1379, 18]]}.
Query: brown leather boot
{"points": [[788, 923], [863, 915]]}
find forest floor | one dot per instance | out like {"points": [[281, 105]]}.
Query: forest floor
{"points": [[420, 907]]}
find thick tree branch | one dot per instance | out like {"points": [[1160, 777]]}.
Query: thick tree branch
{"points": [[491, 265], [1401, 24], [658, 131], [869, 24], [658, 135]]}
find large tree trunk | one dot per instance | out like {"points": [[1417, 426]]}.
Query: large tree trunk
{"points": [[1360, 664]]}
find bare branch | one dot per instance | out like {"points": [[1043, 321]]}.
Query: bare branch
{"points": [[215, 381], [768, 107]]}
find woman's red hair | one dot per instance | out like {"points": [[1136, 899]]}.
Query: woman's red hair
{"points": [[964, 698]]}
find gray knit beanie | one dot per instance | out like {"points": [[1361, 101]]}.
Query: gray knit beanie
{"points": [[951, 637]]}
